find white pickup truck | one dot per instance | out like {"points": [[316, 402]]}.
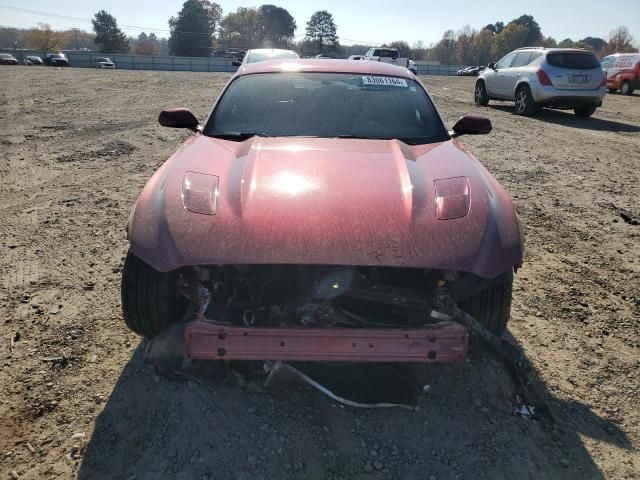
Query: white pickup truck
{"points": [[389, 55]]}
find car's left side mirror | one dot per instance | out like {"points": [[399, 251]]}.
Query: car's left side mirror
{"points": [[236, 63], [471, 125], [178, 118]]}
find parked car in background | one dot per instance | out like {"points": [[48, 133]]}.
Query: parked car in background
{"points": [[261, 54], [471, 71], [323, 55], [356, 57], [386, 55], [104, 62], [536, 77], [56, 60], [33, 60], [413, 67], [225, 54], [8, 59], [622, 71]]}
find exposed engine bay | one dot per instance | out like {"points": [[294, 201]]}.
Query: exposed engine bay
{"points": [[322, 296]]}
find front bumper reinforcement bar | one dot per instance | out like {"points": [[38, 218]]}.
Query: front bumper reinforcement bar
{"points": [[443, 342]]}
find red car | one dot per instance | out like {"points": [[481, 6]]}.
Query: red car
{"points": [[322, 212]]}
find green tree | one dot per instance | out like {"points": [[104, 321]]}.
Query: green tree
{"points": [[276, 25], [494, 28], [533, 29], [321, 34], [548, 42], [567, 43], [109, 37], [513, 36], [595, 43], [267, 26], [192, 31], [241, 29]]}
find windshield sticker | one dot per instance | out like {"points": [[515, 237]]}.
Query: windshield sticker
{"points": [[384, 81]]}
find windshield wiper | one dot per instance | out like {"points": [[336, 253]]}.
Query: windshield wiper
{"points": [[239, 136]]}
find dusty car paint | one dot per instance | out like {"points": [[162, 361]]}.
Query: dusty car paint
{"points": [[325, 201]]}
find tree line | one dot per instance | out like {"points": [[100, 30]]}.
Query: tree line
{"points": [[200, 28]]}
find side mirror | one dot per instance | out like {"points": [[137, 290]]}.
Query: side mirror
{"points": [[471, 125], [178, 118], [236, 63], [491, 65]]}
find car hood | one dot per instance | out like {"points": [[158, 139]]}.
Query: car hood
{"points": [[325, 201]]}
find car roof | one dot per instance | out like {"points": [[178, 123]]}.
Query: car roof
{"points": [[630, 54], [554, 50], [269, 50], [322, 66]]}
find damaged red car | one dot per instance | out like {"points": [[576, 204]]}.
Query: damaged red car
{"points": [[322, 212]]}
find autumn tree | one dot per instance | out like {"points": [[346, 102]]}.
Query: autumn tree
{"points": [[321, 35], [445, 48], [44, 38], [147, 45], [403, 48], [77, 39], [109, 37], [192, 31], [513, 36], [620, 41]]}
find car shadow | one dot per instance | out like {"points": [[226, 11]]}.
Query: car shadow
{"points": [[568, 119], [154, 427]]}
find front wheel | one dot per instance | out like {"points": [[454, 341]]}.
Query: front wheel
{"points": [[525, 104], [480, 96], [625, 88], [150, 300], [491, 307], [585, 111]]}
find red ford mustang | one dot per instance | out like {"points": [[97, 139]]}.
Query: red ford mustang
{"points": [[321, 213]]}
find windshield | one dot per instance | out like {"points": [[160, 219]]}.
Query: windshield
{"points": [[326, 105], [573, 60], [386, 53], [261, 56]]}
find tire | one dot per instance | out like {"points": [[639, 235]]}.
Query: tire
{"points": [[525, 104], [613, 90], [480, 96], [492, 306], [150, 301], [625, 88], [585, 111]]}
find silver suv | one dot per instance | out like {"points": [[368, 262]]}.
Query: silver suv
{"points": [[536, 77]]}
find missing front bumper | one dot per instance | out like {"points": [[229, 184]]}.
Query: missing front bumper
{"points": [[444, 342]]}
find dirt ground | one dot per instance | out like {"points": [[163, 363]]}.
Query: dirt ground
{"points": [[76, 147]]}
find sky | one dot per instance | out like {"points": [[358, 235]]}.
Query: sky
{"points": [[370, 21]]}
